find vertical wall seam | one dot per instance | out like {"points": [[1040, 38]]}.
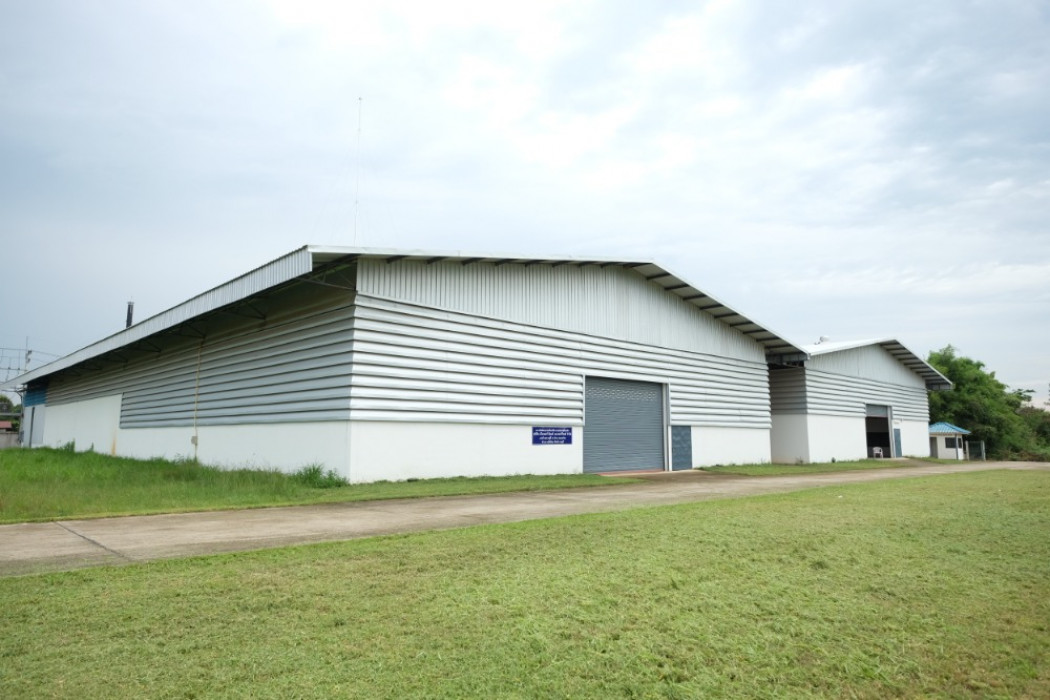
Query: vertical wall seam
{"points": [[196, 397]]}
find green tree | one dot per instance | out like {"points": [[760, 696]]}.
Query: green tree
{"points": [[1038, 421], [11, 411], [986, 407]]}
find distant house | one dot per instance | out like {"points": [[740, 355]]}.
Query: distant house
{"points": [[946, 441], [8, 436], [852, 400]]}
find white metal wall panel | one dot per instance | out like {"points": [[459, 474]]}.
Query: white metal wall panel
{"points": [[611, 302], [871, 362], [417, 363], [292, 366], [35, 430]]}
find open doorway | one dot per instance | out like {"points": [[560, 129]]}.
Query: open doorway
{"points": [[877, 430]]}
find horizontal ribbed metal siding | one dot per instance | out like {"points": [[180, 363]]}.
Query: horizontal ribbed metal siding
{"points": [[36, 394], [611, 302], [837, 395], [292, 367], [871, 362], [418, 363], [787, 389]]}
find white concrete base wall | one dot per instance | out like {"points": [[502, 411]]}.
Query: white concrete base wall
{"points": [[91, 425], [146, 443], [729, 446], [284, 446], [940, 451], [94, 424], [365, 451], [396, 451], [836, 437], [789, 438], [915, 438]]}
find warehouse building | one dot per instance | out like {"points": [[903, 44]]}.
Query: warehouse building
{"points": [[852, 400], [382, 364]]}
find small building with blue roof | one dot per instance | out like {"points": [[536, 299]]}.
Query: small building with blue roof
{"points": [[946, 441]]}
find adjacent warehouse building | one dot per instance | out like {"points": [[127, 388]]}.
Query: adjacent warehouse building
{"points": [[852, 400], [385, 364]]}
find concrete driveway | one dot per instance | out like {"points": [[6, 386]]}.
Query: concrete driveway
{"points": [[30, 548]]}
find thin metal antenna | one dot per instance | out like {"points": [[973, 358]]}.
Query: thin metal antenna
{"points": [[357, 184]]}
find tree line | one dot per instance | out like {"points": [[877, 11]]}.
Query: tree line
{"points": [[1010, 426]]}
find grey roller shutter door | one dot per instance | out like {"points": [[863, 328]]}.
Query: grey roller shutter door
{"points": [[623, 425]]}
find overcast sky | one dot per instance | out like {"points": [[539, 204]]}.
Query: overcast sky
{"points": [[837, 168]]}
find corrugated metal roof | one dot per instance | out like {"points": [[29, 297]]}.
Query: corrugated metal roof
{"points": [[309, 258], [935, 381], [945, 428]]}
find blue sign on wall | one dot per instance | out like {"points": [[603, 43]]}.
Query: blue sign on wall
{"points": [[551, 436]]}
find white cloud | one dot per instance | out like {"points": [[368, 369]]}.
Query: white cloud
{"points": [[819, 164]]}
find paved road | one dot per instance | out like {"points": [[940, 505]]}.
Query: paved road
{"points": [[30, 548]]}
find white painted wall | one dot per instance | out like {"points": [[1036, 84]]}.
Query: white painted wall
{"points": [[173, 442], [93, 424], [284, 446], [789, 438], [915, 438], [399, 450], [836, 437], [729, 446], [942, 451], [33, 425]]}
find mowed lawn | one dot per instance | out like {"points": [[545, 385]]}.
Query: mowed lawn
{"points": [[48, 484], [931, 587]]}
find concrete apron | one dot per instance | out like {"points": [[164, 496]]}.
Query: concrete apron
{"points": [[29, 548]]}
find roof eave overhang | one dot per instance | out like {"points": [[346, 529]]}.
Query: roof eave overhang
{"points": [[935, 381]]}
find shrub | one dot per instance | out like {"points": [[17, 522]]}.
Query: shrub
{"points": [[316, 476]]}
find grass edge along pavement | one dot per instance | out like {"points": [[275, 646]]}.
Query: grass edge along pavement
{"points": [[933, 587], [775, 469], [42, 484], [56, 484]]}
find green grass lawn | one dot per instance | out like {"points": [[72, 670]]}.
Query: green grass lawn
{"points": [[928, 587], [815, 468], [48, 484]]}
